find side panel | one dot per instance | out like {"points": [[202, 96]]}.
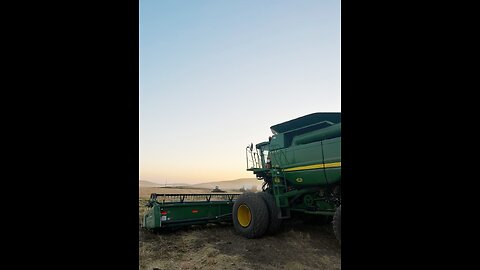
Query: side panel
{"points": [[301, 164], [282, 157], [308, 154], [195, 210], [305, 170], [187, 213], [306, 177], [333, 155], [312, 159], [277, 142], [152, 218]]}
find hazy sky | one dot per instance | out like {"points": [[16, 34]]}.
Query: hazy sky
{"points": [[215, 75]]}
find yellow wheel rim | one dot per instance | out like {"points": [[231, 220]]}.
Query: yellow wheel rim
{"points": [[244, 215]]}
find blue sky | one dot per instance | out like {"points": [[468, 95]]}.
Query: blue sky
{"points": [[215, 75]]}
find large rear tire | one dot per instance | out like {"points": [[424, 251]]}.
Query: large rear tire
{"points": [[274, 222], [250, 215], [337, 223]]}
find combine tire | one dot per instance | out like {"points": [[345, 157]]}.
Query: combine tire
{"points": [[273, 211], [250, 215], [337, 223]]}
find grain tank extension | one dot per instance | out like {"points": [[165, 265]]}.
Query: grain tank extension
{"points": [[300, 166]]}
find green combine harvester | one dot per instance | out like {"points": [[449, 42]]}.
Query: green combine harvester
{"points": [[301, 169], [300, 166]]}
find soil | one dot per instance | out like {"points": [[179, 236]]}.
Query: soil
{"points": [[300, 244]]}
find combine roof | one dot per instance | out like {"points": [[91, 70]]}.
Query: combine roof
{"points": [[309, 119]]}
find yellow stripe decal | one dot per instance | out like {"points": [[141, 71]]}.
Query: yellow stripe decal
{"points": [[315, 166], [333, 165]]}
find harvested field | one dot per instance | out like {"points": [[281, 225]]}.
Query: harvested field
{"points": [[300, 245]]}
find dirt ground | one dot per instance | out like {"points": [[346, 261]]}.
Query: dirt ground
{"points": [[300, 245]]}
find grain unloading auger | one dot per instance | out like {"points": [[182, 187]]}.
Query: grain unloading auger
{"points": [[177, 210]]}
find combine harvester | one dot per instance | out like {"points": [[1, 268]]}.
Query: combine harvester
{"points": [[300, 166]]}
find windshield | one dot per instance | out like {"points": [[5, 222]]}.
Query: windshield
{"points": [[264, 156]]}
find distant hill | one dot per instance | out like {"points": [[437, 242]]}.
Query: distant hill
{"points": [[145, 183], [232, 184], [247, 183]]}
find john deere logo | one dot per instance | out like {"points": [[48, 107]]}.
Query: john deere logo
{"points": [[299, 180], [277, 180]]}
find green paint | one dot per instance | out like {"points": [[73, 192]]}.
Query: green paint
{"points": [[176, 214], [305, 157]]}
